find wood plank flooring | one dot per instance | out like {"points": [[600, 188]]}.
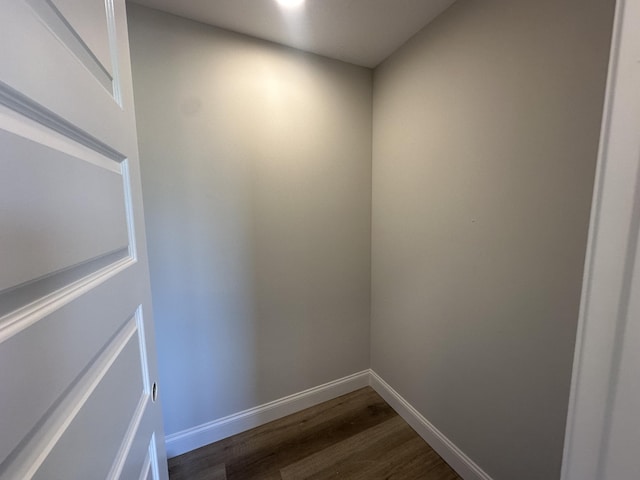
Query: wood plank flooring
{"points": [[354, 437]]}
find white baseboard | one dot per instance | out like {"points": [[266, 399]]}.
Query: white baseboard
{"points": [[201, 435], [463, 465]]}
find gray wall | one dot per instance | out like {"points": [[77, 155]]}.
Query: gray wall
{"points": [[256, 169], [485, 137]]}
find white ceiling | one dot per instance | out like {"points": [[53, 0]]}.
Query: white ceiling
{"points": [[363, 32]]}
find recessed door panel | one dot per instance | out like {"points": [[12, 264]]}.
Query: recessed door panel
{"points": [[68, 65], [121, 389], [58, 211], [89, 21], [57, 351]]}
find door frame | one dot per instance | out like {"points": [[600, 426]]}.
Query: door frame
{"points": [[611, 253]]}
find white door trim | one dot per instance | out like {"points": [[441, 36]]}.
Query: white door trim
{"points": [[611, 251]]}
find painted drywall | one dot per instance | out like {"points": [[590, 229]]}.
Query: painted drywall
{"points": [[486, 129], [256, 170]]}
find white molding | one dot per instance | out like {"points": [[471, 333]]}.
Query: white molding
{"points": [[18, 320], [129, 438], [26, 460], [591, 441], [456, 458], [201, 435]]}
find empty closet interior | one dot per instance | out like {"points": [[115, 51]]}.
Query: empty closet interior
{"points": [[421, 224]]}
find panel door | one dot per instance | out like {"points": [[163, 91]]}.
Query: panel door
{"points": [[78, 392]]}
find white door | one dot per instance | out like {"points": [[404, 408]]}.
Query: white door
{"points": [[77, 368]]}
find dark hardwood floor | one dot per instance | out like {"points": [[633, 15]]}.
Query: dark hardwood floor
{"points": [[357, 437]]}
